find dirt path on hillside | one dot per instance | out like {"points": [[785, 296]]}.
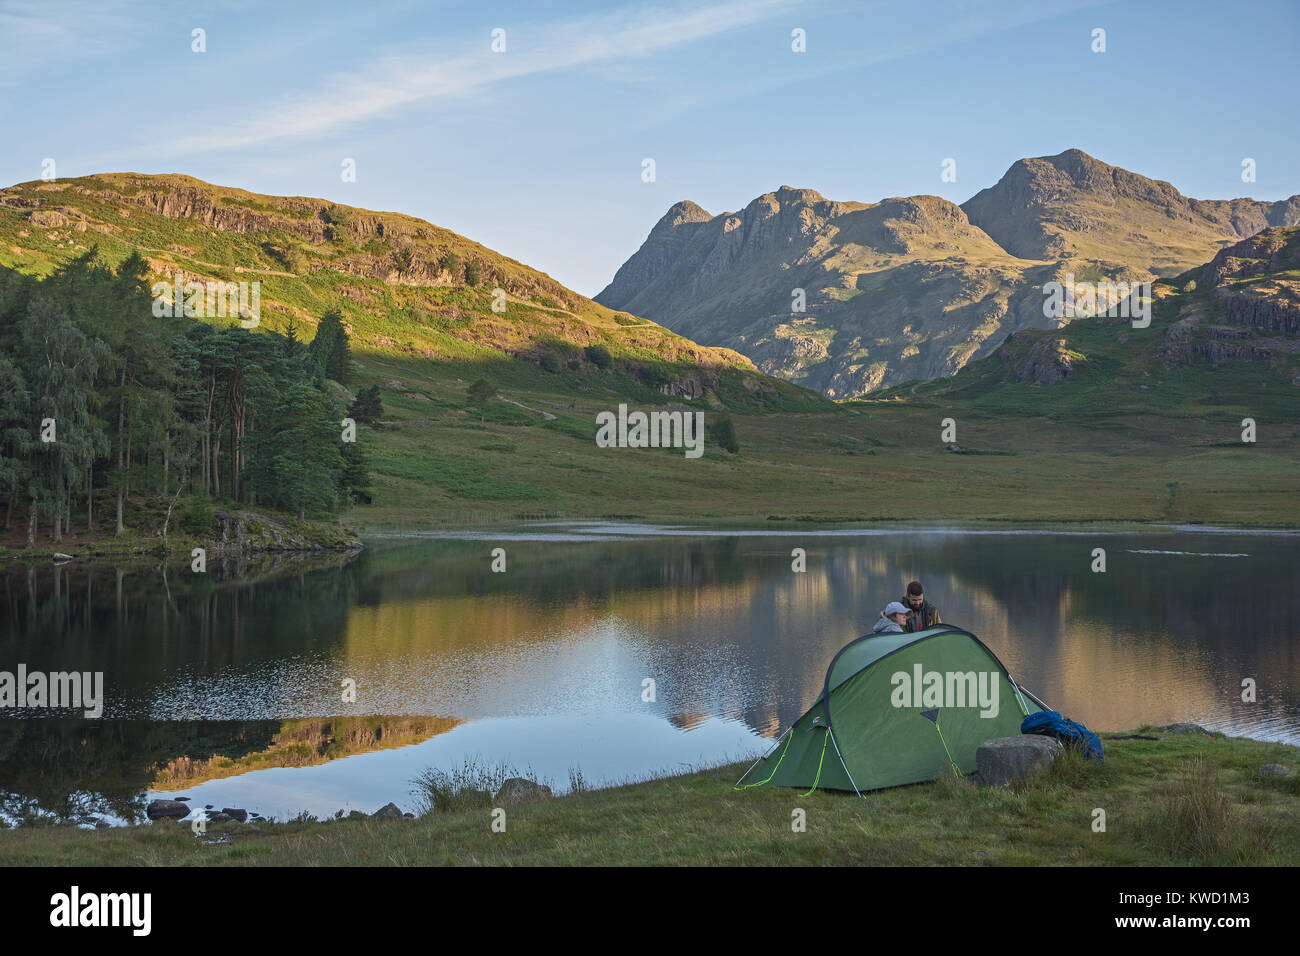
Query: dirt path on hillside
{"points": [[546, 415]]}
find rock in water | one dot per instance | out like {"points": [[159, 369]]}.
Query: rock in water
{"points": [[161, 809], [1004, 759], [389, 811], [234, 813], [519, 790]]}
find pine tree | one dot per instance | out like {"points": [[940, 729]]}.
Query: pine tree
{"points": [[62, 363], [367, 407], [479, 394], [330, 350], [16, 439], [355, 477]]}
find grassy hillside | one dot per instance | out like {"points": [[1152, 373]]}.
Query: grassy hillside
{"points": [[404, 286]]}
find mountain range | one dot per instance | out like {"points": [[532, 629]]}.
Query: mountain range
{"points": [[916, 287]]}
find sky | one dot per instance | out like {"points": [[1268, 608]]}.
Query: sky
{"points": [[538, 150]]}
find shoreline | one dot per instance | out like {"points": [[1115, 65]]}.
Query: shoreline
{"points": [[1172, 799], [192, 795], [782, 527]]}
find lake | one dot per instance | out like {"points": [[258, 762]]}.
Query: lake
{"points": [[609, 652]]}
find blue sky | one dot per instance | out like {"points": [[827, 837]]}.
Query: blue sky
{"points": [[537, 151]]}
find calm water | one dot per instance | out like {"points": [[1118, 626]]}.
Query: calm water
{"points": [[226, 687]]}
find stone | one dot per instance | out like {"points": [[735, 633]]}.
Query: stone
{"points": [[61, 558], [356, 814], [235, 814], [1186, 729], [220, 818], [520, 790], [162, 809], [1004, 759], [1276, 770], [390, 811]]}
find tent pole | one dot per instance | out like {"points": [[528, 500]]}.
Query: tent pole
{"points": [[764, 756], [1024, 709], [842, 763]]}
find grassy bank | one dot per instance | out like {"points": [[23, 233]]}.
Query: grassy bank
{"points": [[1176, 800], [247, 531]]}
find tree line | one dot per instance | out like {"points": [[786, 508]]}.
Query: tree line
{"points": [[102, 403]]}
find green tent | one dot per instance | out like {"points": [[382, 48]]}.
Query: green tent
{"points": [[897, 709]]}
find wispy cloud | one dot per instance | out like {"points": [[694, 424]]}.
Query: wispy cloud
{"points": [[38, 35], [389, 84]]}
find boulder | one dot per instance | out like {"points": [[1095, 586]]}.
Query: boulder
{"points": [[1004, 759], [222, 817], [235, 814], [162, 809], [1276, 770], [61, 558], [520, 790], [389, 811]]}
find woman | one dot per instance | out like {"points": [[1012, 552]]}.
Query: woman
{"points": [[892, 619]]}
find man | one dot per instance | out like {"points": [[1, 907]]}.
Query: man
{"points": [[921, 614], [892, 619]]}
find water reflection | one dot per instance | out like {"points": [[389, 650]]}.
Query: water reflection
{"points": [[734, 640]]}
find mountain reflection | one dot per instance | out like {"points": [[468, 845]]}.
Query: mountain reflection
{"points": [[255, 653]]}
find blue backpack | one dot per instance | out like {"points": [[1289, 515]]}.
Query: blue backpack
{"points": [[1049, 723]]}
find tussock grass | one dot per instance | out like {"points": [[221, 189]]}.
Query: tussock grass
{"points": [[1194, 817], [469, 786]]}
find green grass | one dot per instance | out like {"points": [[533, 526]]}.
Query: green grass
{"points": [[1181, 800], [1029, 464]]}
